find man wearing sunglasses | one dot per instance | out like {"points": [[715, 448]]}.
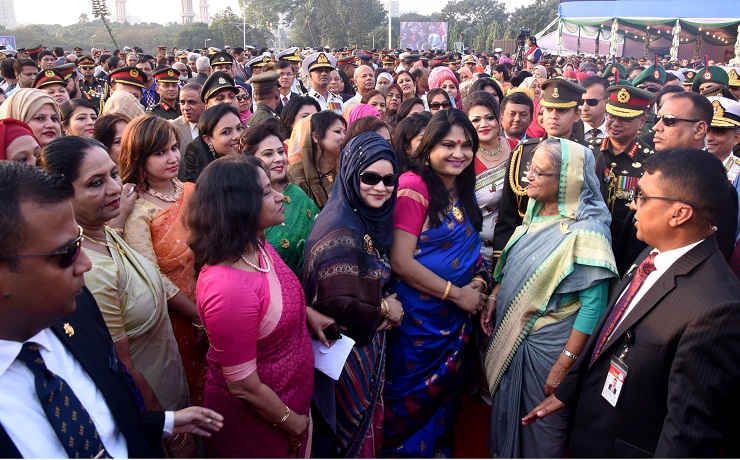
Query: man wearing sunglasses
{"points": [[671, 328], [592, 109], [624, 151], [52, 336]]}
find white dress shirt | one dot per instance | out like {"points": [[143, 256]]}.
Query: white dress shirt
{"points": [[602, 130], [24, 418], [194, 130], [663, 261]]}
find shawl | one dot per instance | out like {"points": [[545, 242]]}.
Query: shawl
{"points": [[579, 234], [124, 104], [534, 129], [301, 168], [24, 103], [345, 207], [439, 75], [10, 130], [300, 141]]}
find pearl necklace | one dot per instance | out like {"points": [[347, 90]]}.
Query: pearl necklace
{"points": [[257, 267], [168, 198]]}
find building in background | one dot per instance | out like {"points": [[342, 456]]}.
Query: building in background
{"points": [[7, 14]]}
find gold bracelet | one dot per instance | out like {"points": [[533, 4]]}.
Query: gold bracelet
{"points": [[385, 309], [447, 291], [200, 327], [174, 438], [485, 285], [285, 417]]}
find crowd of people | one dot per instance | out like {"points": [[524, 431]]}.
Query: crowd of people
{"points": [[189, 236]]}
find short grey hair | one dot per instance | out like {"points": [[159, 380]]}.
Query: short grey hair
{"points": [[203, 64], [193, 56], [554, 152]]}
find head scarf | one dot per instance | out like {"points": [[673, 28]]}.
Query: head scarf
{"points": [[244, 116], [579, 195], [527, 83], [24, 103], [362, 110], [535, 129], [439, 75], [345, 207], [123, 104], [385, 75], [542, 69], [466, 71], [10, 130]]}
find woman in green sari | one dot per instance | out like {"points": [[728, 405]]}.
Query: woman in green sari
{"points": [[265, 142], [554, 278]]}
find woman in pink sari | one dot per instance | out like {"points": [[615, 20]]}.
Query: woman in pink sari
{"points": [[260, 362], [149, 162]]}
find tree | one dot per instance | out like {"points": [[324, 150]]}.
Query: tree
{"points": [[229, 27], [265, 14], [534, 17], [469, 20], [100, 11], [83, 18]]}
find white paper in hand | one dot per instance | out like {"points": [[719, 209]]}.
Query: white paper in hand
{"points": [[331, 360]]}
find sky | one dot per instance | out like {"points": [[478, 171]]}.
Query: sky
{"points": [[164, 11]]}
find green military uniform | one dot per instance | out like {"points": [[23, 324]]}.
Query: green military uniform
{"points": [[162, 108], [652, 77], [96, 90], [263, 112]]}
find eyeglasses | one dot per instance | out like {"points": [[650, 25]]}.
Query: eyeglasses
{"points": [[641, 198], [243, 97], [537, 174], [67, 255], [439, 105], [372, 178], [671, 120], [590, 102]]}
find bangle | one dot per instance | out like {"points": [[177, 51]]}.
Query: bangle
{"points": [[285, 417], [569, 354], [485, 285], [385, 309], [447, 291], [200, 327]]}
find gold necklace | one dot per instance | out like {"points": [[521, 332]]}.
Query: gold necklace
{"points": [[168, 198], [104, 242], [495, 154]]}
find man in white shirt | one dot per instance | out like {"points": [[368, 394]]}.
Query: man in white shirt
{"points": [[364, 81], [670, 334], [318, 67], [593, 107], [46, 312]]}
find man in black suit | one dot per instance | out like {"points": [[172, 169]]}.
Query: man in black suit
{"points": [[46, 313], [671, 331]]}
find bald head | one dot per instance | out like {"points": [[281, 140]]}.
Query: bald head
{"points": [[364, 79]]}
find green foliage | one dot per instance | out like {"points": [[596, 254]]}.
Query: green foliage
{"points": [[535, 17], [338, 23], [100, 11]]}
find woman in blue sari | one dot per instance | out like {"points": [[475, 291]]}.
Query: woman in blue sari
{"points": [[554, 274], [440, 280]]}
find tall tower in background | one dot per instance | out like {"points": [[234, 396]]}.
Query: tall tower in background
{"points": [[7, 14], [120, 11], [187, 11], [203, 15]]}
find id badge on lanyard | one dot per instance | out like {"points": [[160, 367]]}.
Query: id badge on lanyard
{"points": [[615, 378]]}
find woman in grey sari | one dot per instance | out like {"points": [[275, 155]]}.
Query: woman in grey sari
{"points": [[554, 283]]}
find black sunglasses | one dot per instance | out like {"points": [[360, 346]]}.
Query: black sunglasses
{"points": [[651, 88], [243, 97], [67, 255], [590, 102], [671, 120], [439, 105], [372, 178]]}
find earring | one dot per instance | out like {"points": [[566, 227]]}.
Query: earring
{"points": [[141, 176], [213, 151]]}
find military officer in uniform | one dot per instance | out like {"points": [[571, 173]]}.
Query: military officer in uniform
{"points": [[724, 135], [623, 150], [318, 66], [128, 79], [613, 71], [96, 88], [224, 62], [651, 79], [167, 85], [733, 73], [257, 64], [709, 78], [560, 100], [52, 83], [219, 89], [293, 55], [266, 94]]}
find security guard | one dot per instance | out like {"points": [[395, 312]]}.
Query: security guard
{"points": [[96, 88], [167, 85], [561, 97], [318, 66], [623, 150], [266, 94]]}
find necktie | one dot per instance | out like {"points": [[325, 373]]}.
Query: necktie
{"points": [[149, 98], [645, 268], [285, 100], [594, 132], [71, 422]]}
